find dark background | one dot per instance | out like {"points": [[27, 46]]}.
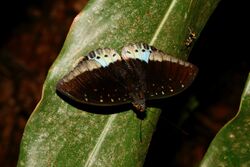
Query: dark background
{"points": [[32, 34]]}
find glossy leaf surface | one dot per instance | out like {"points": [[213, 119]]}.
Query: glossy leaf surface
{"points": [[231, 146], [59, 134]]}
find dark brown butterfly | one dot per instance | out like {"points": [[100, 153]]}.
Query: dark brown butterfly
{"points": [[141, 73]]}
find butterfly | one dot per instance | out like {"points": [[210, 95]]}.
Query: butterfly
{"points": [[105, 78]]}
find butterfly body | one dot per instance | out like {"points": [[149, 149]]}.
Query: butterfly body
{"points": [[141, 73]]}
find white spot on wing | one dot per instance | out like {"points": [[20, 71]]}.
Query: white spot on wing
{"points": [[174, 60], [76, 72], [186, 64], [181, 62], [106, 56], [78, 61], [136, 51], [166, 58], [82, 67]]}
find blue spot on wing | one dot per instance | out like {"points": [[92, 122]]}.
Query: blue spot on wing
{"points": [[145, 56], [104, 56], [139, 51], [101, 61]]}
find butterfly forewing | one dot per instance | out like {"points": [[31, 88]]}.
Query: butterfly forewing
{"points": [[167, 75], [95, 82]]}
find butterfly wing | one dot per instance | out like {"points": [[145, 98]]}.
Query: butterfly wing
{"points": [[95, 80], [167, 75]]}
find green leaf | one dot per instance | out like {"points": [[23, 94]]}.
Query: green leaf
{"points": [[58, 134], [231, 146]]}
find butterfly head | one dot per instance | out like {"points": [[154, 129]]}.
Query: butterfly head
{"points": [[138, 101], [139, 105]]}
